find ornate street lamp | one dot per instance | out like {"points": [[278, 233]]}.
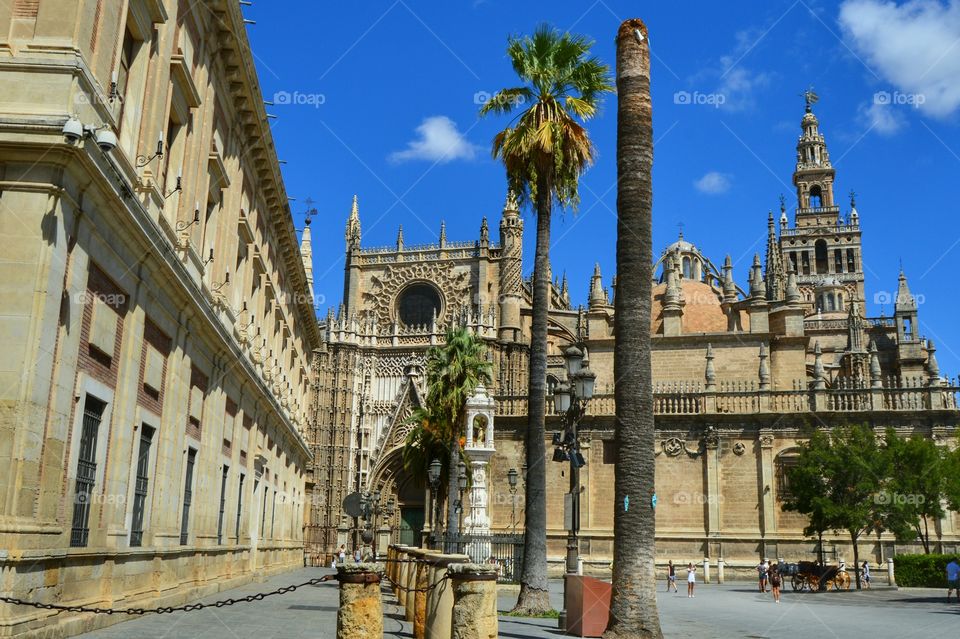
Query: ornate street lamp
{"points": [[433, 475], [570, 401], [512, 476], [462, 486]]}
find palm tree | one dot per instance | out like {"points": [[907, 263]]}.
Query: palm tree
{"points": [[454, 370], [545, 150], [633, 605]]}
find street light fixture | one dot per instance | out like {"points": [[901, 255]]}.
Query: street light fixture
{"points": [[462, 486], [570, 401], [433, 475], [512, 476]]}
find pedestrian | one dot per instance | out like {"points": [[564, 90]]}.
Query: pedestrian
{"points": [[866, 575], [692, 579], [762, 569], [357, 556], [775, 581], [953, 579], [342, 554], [671, 576]]}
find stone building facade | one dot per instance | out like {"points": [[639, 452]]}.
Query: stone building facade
{"points": [[158, 322], [739, 371]]}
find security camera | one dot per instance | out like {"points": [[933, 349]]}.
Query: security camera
{"points": [[72, 129], [106, 140], [638, 35]]}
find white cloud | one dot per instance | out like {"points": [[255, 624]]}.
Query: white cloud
{"points": [[881, 117], [914, 45], [713, 183], [738, 85], [438, 141]]}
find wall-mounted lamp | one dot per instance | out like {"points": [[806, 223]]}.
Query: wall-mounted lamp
{"points": [[183, 226], [143, 160]]}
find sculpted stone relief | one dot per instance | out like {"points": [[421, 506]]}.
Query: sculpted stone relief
{"points": [[381, 300]]}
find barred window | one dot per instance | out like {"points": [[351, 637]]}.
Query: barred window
{"points": [[784, 463]]}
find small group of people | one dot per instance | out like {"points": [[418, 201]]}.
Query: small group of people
{"points": [[672, 577], [769, 574], [341, 557]]}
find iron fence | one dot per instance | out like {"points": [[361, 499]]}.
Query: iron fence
{"points": [[504, 550]]}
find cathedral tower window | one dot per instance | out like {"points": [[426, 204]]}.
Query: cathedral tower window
{"points": [[820, 249], [816, 197]]}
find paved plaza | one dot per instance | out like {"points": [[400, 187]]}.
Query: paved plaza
{"points": [[731, 610]]}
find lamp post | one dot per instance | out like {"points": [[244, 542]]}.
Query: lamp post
{"points": [[512, 480], [570, 400], [462, 486], [433, 475], [372, 509]]}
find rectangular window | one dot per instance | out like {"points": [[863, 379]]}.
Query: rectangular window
{"points": [[838, 260], [239, 508], [273, 512], [263, 512], [609, 451], [223, 503], [86, 470], [140, 488], [128, 54], [851, 261], [806, 263], [187, 497]]}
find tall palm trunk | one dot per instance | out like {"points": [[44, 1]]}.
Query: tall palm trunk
{"points": [[453, 492], [633, 606], [534, 594]]}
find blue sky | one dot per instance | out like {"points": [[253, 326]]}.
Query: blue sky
{"points": [[383, 100]]}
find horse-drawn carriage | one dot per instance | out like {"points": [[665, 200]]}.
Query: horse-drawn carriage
{"points": [[811, 576]]}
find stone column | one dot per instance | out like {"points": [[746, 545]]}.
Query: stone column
{"points": [[421, 581], [474, 601], [409, 596], [361, 612], [891, 579], [768, 525], [440, 595]]}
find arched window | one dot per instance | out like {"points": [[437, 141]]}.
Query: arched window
{"points": [[839, 301], [687, 271], [820, 249], [816, 197], [830, 303]]}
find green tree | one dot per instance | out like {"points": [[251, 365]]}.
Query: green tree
{"points": [[545, 149], [914, 492], [951, 472], [836, 481], [454, 370], [633, 606]]}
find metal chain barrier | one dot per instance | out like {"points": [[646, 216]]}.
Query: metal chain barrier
{"points": [[427, 589], [168, 609]]}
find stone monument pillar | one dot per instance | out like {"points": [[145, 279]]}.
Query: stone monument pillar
{"points": [[479, 448], [474, 601], [361, 611]]}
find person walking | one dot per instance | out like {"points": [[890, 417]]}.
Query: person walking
{"points": [[953, 579], [692, 579], [671, 576], [342, 554], [866, 575], [775, 582], [762, 569]]}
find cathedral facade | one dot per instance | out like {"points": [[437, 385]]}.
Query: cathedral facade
{"points": [[740, 370]]}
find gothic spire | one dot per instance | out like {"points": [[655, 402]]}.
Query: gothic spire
{"points": [[306, 254], [443, 233], [905, 300], [352, 233], [400, 238], [597, 296], [775, 276]]}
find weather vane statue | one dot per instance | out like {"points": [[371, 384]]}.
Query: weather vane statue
{"points": [[810, 97]]}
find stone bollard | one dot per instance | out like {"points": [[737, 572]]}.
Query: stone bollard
{"points": [[474, 601], [400, 581], [706, 570], [720, 563], [361, 612], [891, 578], [420, 597], [440, 595], [410, 595]]}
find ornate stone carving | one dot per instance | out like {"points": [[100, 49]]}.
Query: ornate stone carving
{"points": [[766, 440], [381, 300], [739, 449], [675, 446]]}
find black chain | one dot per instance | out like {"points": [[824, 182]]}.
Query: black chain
{"points": [[168, 609], [427, 589]]}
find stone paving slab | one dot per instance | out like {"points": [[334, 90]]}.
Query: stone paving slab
{"points": [[732, 610]]}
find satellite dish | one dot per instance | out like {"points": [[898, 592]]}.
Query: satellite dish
{"points": [[353, 504]]}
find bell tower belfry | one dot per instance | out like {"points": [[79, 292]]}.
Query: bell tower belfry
{"points": [[824, 247]]}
